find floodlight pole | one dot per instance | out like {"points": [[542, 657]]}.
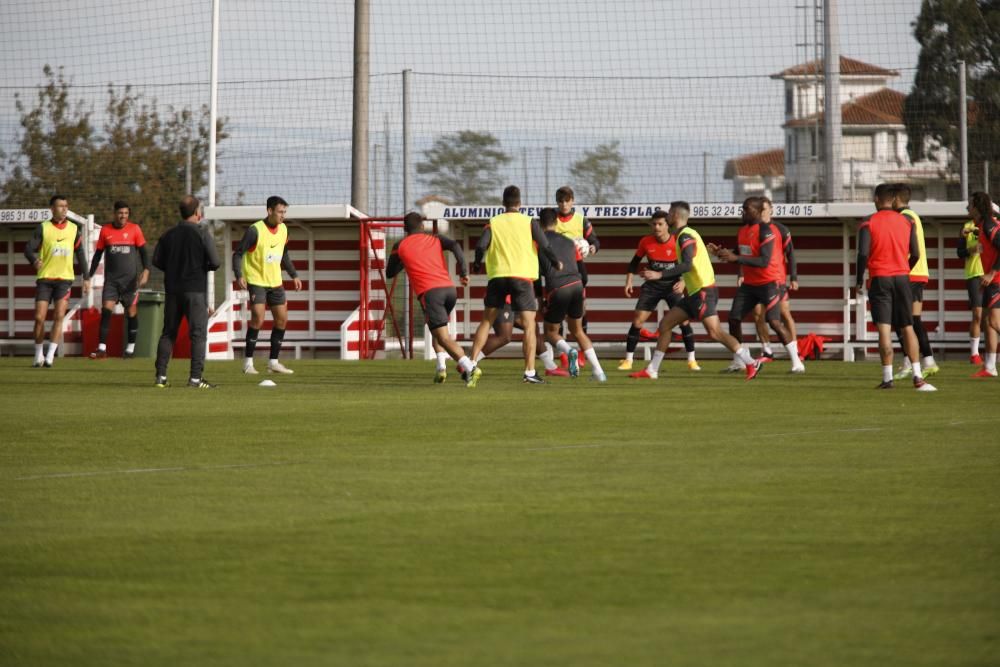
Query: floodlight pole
{"points": [[963, 130], [213, 107], [407, 101], [833, 138], [359, 132]]}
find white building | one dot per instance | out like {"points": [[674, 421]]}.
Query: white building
{"points": [[873, 146]]}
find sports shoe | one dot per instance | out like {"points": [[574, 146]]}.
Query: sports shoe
{"points": [[581, 361], [599, 377], [99, 354], [886, 385], [644, 374], [37, 363], [248, 368], [557, 372], [128, 355], [473, 377], [440, 376], [984, 373], [201, 384], [921, 384], [931, 370], [574, 363], [753, 369], [47, 364], [564, 361], [274, 366], [625, 365], [646, 334], [976, 360], [733, 368], [798, 370], [693, 365], [532, 379], [903, 374], [161, 382], [766, 357]]}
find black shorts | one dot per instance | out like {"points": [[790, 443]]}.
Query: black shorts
{"points": [[654, 291], [783, 291], [520, 291], [748, 296], [991, 296], [975, 290], [272, 296], [51, 291], [504, 316], [564, 302], [891, 301], [127, 294], [438, 304], [703, 303], [917, 291]]}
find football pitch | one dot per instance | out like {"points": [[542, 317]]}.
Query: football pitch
{"points": [[357, 514]]}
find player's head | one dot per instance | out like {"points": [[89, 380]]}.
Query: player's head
{"points": [[512, 197], [883, 196], [753, 208], [59, 206], [766, 209], [660, 225], [901, 194], [190, 207], [276, 209], [980, 206], [680, 211], [565, 199], [122, 212], [413, 223], [547, 218]]}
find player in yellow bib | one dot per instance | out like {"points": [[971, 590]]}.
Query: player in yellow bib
{"points": [[257, 265], [970, 249], [51, 251]]}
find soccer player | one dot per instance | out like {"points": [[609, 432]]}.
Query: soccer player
{"points": [[660, 251], [790, 282], [509, 245], [574, 226], [919, 277], [422, 255], [969, 249], [185, 254], [257, 265], [564, 300], [981, 208], [124, 276], [761, 263], [695, 268], [888, 250], [51, 251]]}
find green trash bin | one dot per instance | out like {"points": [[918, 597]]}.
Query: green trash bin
{"points": [[150, 313]]}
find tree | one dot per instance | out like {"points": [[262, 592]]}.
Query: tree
{"points": [[597, 175], [464, 167], [139, 156], [950, 31]]}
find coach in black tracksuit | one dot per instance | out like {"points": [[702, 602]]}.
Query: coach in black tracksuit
{"points": [[185, 254]]}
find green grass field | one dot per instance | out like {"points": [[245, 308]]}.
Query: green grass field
{"points": [[359, 515]]}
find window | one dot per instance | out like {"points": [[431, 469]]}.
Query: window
{"points": [[789, 101], [790, 156], [859, 147], [813, 148]]}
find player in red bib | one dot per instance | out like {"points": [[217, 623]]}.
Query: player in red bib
{"points": [[988, 229], [788, 283], [422, 255]]}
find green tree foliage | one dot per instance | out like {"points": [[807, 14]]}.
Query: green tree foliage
{"points": [[597, 175], [464, 167], [139, 155], [950, 31]]}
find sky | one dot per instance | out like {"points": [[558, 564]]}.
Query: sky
{"points": [[669, 80]]}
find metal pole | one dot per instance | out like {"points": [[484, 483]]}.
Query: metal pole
{"points": [[524, 176], [359, 130], [704, 176], [187, 171], [833, 139], [373, 204], [986, 176], [213, 107], [388, 169], [852, 179], [548, 150], [963, 130], [407, 101]]}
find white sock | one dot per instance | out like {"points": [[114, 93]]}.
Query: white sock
{"points": [[595, 365], [887, 373], [101, 347], [247, 362], [273, 362], [50, 356], [793, 354], [39, 351], [974, 346], [562, 346], [465, 364], [654, 365], [530, 373], [917, 373], [766, 349], [929, 361], [548, 359], [906, 363], [442, 360], [991, 361], [691, 355], [630, 356], [480, 357], [130, 348], [743, 357]]}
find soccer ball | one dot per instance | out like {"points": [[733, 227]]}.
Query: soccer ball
{"points": [[583, 247]]}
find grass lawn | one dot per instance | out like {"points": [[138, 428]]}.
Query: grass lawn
{"points": [[359, 515]]}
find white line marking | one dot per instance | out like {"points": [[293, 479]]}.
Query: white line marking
{"points": [[752, 435], [139, 471]]}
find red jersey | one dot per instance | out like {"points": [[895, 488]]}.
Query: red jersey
{"points": [[423, 257], [988, 238], [661, 256], [890, 244], [120, 248], [751, 239]]}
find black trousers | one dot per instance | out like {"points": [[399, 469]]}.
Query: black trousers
{"points": [[193, 306]]}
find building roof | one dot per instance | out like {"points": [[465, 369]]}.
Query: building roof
{"points": [[767, 163], [883, 107], [848, 67]]}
